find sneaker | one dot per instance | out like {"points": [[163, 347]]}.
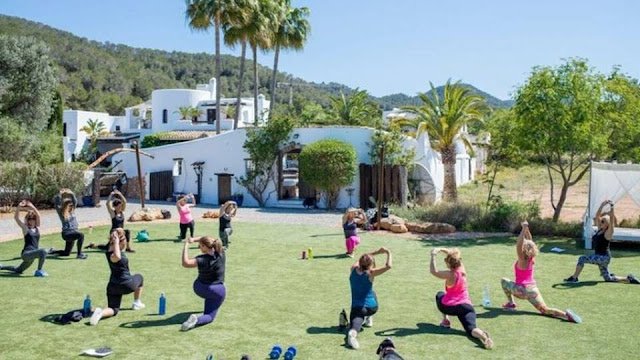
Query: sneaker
{"points": [[190, 323], [40, 273], [349, 255], [445, 323], [81, 256], [96, 316], [573, 317], [368, 321], [571, 279], [632, 279], [51, 251], [509, 306], [351, 339], [138, 305]]}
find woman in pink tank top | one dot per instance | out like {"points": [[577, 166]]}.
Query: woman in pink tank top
{"points": [[524, 287], [184, 212], [455, 299]]}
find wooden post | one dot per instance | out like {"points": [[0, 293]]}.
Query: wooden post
{"points": [[140, 180], [380, 198]]}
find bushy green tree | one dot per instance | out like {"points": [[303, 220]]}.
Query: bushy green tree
{"points": [[559, 120], [356, 109], [17, 141], [262, 145], [621, 105], [27, 81], [328, 165], [395, 153]]}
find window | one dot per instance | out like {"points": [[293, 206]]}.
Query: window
{"points": [[248, 165], [177, 167], [165, 116], [64, 129]]}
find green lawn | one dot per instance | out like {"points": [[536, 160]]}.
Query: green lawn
{"points": [[273, 297]]}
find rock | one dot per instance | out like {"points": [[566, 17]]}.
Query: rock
{"points": [[431, 228], [146, 214], [211, 214], [398, 228]]}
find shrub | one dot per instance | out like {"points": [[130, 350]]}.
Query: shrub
{"points": [[328, 165], [150, 140], [547, 227]]}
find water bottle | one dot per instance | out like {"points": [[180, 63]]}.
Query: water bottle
{"points": [[86, 306], [291, 353], [276, 350], [162, 304], [309, 253], [486, 301]]}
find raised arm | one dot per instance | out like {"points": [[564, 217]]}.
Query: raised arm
{"points": [[613, 222], [110, 208], [186, 261], [387, 265], [32, 207], [115, 242], [193, 200], [599, 212], [433, 268], [16, 217], [524, 235], [361, 217]]}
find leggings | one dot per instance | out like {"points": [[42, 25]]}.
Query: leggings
{"points": [[465, 313], [601, 260], [351, 243], [28, 257], [530, 293], [127, 234], [213, 295], [184, 227], [115, 291], [357, 315], [70, 236], [224, 236]]}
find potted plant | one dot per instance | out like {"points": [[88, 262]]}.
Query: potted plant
{"points": [[238, 198]]}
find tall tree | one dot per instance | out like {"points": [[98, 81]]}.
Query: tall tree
{"points": [[236, 32], [292, 33], [444, 119], [205, 14], [621, 105], [558, 119], [355, 109]]}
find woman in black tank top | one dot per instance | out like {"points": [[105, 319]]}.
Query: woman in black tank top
{"points": [[606, 222], [30, 251], [116, 204]]}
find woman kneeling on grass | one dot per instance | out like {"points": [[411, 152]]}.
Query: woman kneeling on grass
{"points": [[364, 302], [121, 282], [455, 299], [606, 222], [525, 285], [30, 251], [209, 284]]}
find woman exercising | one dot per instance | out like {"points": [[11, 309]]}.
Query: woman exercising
{"points": [[116, 205], [30, 251], [186, 219], [350, 221], [65, 203], [227, 211]]}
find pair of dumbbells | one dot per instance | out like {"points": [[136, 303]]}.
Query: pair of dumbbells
{"points": [[276, 351]]}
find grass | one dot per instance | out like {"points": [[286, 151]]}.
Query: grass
{"points": [[273, 297]]}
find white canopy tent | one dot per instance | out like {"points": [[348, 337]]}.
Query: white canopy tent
{"points": [[612, 182]]}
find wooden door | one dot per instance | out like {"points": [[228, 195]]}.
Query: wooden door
{"points": [[224, 188], [161, 185]]}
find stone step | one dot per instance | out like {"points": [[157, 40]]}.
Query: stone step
{"points": [[289, 204]]}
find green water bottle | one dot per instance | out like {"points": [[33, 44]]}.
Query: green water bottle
{"points": [[310, 253]]}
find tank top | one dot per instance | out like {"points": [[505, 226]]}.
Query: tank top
{"points": [[362, 294], [350, 229], [117, 221], [225, 222], [600, 243], [524, 277], [185, 214], [31, 239], [119, 270], [456, 294]]}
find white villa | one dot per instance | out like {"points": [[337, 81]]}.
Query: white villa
{"points": [[160, 114], [209, 165]]}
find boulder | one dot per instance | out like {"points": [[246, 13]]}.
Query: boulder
{"points": [[398, 228], [146, 214], [211, 214], [431, 228]]}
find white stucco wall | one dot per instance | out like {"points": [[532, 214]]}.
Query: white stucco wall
{"points": [[75, 120], [171, 100]]}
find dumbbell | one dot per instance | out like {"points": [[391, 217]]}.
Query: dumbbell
{"points": [[276, 350], [291, 353]]}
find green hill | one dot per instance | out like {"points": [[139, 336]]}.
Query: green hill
{"points": [[108, 77]]}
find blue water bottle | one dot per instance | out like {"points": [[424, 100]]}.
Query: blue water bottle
{"points": [[291, 353], [162, 304], [486, 301], [86, 306], [276, 350]]}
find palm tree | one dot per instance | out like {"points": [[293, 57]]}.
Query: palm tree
{"points": [[444, 120], [204, 14], [266, 18], [292, 33], [239, 31], [355, 109], [93, 129], [184, 111]]}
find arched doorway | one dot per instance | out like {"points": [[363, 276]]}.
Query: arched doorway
{"points": [[291, 185], [421, 185]]}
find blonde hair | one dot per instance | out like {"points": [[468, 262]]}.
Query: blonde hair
{"points": [[31, 215], [366, 262], [453, 259], [66, 208], [122, 238], [530, 249], [212, 244]]}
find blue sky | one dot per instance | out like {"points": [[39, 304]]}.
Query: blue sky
{"points": [[387, 46]]}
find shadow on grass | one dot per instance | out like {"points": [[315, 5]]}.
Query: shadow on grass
{"points": [[175, 319], [494, 312], [11, 259], [322, 235], [336, 256], [568, 285], [10, 274], [421, 328], [336, 330]]}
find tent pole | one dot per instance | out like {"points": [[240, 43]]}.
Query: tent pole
{"points": [[588, 220]]}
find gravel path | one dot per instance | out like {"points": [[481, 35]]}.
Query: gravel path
{"points": [[97, 216]]}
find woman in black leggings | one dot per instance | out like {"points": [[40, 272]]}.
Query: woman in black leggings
{"points": [[121, 282], [65, 203], [116, 204], [30, 251]]}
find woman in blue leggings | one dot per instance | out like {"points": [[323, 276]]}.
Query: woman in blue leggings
{"points": [[209, 284]]}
